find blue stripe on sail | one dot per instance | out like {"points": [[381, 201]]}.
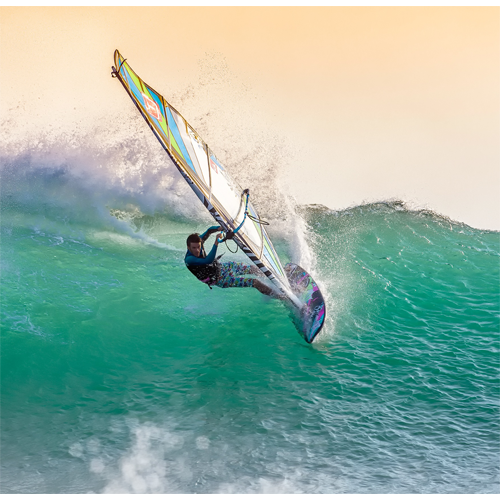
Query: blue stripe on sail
{"points": [[133, 87], [178, 138]]}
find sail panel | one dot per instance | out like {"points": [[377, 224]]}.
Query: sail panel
{"points": [[201, 155], [178, 138], [206, 174]]}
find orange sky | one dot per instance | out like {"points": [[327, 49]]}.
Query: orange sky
{"points": [[371, 102]]}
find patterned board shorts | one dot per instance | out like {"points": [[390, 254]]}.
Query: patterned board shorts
{"points": [[231, 275]]}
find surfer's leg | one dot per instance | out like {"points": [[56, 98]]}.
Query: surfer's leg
{"points": [[235, 282], [238, 268], [232, 269], [267, 290], [255, 270], [229, 278], [241, 282], [262, 287]]}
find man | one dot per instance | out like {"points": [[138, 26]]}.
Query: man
{"points": [[209, 270]]}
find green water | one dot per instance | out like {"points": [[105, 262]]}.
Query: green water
{"points": [[121, 373]]}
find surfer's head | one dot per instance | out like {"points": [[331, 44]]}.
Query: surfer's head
{"points": [[194, 244]]}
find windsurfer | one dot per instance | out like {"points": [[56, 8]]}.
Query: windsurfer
{"points": [[209, 270]]}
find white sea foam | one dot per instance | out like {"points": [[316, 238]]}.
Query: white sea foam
{"points": [[93, 172], [163, 460]]}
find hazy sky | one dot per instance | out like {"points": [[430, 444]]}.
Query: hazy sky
{"points": [[372, 103]]}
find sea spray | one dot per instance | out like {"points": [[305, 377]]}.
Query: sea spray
{"points": [[121, 373]]}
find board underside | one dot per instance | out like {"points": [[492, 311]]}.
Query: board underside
{"points": [[311, 317]]}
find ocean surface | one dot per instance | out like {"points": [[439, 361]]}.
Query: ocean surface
{"points": [[120, 373]]}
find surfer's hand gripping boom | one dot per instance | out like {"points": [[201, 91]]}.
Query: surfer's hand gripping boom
{"points": [[220, 238]]}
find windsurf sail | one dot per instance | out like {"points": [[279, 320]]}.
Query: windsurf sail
{"points": [[228, 203]]}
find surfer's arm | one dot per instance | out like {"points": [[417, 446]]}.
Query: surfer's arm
{"points": [[209, 231]]}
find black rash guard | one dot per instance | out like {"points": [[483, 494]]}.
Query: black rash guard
{"points": [[206, 267]]}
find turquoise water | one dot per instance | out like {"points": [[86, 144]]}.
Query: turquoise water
{"points": [[121, 373]]}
